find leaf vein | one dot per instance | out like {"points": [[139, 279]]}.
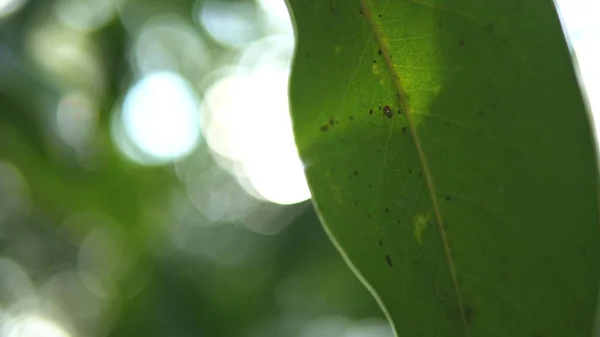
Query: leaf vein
{"points": [[427, 174]]}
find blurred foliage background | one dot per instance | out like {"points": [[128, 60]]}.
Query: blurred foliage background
{"points": [[149, 184], [149, 181]]}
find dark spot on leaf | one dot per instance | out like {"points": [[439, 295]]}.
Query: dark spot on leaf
{"points": [[380, 107], [410, 171], [331, 121], [404, 130], [360, 12], [388, 259], [387, 210], [351, 118], [355, 173], [399, 111], [420, 174], [368, 215], [447, 198], [369, 186], [374, 61], [378, 151], [370, 111], [356, 203], [480, 112], [379, 15], [324, 127], [387, 111], [461, 42], [469, 314], [379, 52], [381, 242]]}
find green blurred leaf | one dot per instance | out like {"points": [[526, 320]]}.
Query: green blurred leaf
{"points": [[451, 158]]}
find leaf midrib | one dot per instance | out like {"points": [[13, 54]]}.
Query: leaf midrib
{"points": [[422, 158]]}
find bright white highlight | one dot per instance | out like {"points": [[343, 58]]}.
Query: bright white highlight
{"points": [[580, 18], [161, 117], [250, 123], [31, 326], [7, 7], [231, 24]]}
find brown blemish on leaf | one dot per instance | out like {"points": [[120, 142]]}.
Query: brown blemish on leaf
{"points": [[469, 314], [387, 111], [331, 121], [324, 127], [388, 259], [381, 242], [461, 43]]}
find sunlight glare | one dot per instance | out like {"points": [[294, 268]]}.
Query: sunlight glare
{"points": [[32, 325], [8, 7], [161, 117], [250, 123]]}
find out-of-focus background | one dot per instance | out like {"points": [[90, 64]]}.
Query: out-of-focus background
{"points": [[149, 182]]}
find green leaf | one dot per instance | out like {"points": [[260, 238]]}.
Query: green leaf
{"points": [[451, 159]]}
